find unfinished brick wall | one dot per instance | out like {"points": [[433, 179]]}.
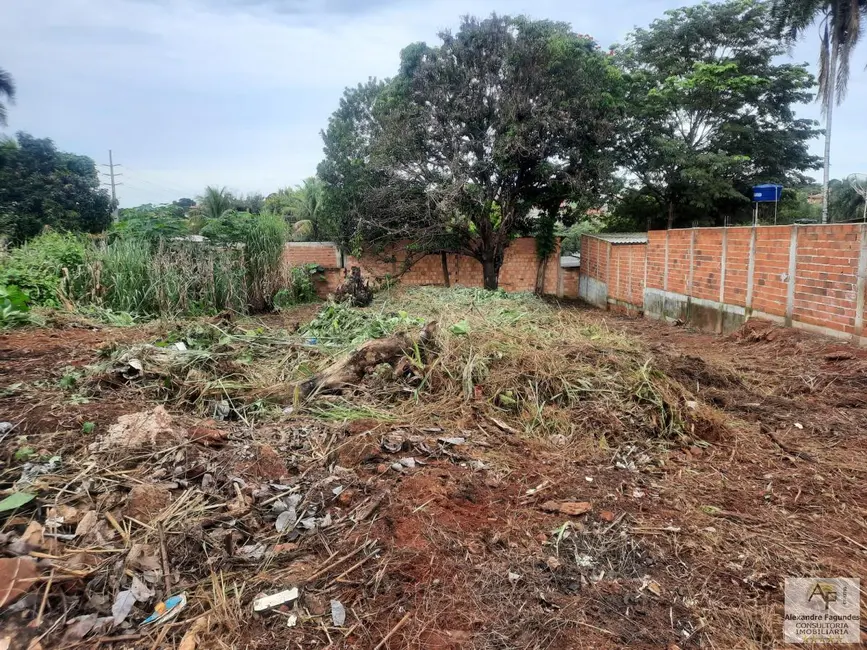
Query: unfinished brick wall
{"points": [[518, 272], [813, 277]]}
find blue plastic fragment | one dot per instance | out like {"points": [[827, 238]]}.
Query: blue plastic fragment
{"points": [[167, 609]]}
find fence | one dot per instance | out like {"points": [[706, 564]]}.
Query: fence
{"points": [[809, 277], [518, 272]]}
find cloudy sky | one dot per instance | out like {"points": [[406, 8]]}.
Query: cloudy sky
{"points": [[235, 92]]}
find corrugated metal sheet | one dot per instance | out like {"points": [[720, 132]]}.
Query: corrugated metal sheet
{"points": [[570, 261], [622, 237]]}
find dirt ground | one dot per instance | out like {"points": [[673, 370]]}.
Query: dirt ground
{"points": [[491, 539]]}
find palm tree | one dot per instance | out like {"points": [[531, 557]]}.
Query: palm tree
{"points": [[840, 31], [308, 210], [216, 202], [7, 89]]}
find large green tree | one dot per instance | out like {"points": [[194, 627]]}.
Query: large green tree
{"points": [[710, 112], [367, 203], [7, 91], [505, 115], [41, 186], [840, 30]]}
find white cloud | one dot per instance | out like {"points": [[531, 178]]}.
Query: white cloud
{"points": [[234, 92]]}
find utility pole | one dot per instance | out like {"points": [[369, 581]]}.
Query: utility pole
{"points": [[112, 175]]}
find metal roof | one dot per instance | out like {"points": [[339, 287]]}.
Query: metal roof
{"points": [[570, 261], [622, 237]]}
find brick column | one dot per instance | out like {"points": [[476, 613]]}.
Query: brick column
{"points": [[861, 286], [793, 272]]}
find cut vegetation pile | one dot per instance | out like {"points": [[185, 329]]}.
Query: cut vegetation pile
{"points": [[504, 473], [534, 367]]}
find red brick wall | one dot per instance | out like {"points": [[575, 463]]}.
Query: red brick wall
{"points": [[825, 293], [594, 258], [518, 272], [678, 260], [826, 270], [737, 265], [626, 273], [772, 266]]}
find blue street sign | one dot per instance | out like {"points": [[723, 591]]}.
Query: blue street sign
{"points": [[767, 193]]}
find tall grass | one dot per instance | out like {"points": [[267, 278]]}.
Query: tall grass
{"points": [[183, 278], [263, 259]]}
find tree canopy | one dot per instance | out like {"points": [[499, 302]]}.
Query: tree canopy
{"points": [[41, 186], [710, 113], [505, 115]]}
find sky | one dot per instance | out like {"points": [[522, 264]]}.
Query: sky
{"points": [[189, 93]]}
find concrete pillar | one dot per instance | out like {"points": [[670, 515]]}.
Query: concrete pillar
{"points": [[751, 272]]}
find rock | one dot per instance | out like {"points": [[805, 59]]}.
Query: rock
{"points": [[266, 465], [696, 452], [208, 436], [146, 501], [6, 427], [570, 508], [382, 468], [606, 515], [142, 431], [17, 577]]}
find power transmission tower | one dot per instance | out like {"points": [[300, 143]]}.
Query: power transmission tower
{"points": [[111, 166]]}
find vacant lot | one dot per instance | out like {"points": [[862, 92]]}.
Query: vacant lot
{"points": [[521, 475]]}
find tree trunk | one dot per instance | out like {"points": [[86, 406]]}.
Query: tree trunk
{"points": [[445, 260], [829, 108], [670, 215], [541, 272], [491, 274]]}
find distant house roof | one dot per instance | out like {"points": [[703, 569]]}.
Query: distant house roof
{"points": [[570, 261], [622, 237]]}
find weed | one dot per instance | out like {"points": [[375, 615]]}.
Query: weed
{"points": [[88, 427], [23, 454], [14, 307]]}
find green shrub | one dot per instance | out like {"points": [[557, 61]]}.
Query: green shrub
{"points": [[301, 289], [14, 307], [37, 267]]}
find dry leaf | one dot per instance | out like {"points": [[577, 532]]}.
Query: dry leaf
{"points": [[191, 638], [78, 628], [17, 577], [87, 523], [140, 590], [122, 606], [143, 558], [34, 535]]}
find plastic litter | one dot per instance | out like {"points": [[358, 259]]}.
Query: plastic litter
{"points": [[167, 610], [338, 613], [275, 600]]}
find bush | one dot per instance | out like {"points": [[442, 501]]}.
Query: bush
{"points": [[301, 289], [37, 267], [14, 307]]}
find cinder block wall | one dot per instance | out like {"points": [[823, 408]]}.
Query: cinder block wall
{"points": [[811, 277], [518, 272]]}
